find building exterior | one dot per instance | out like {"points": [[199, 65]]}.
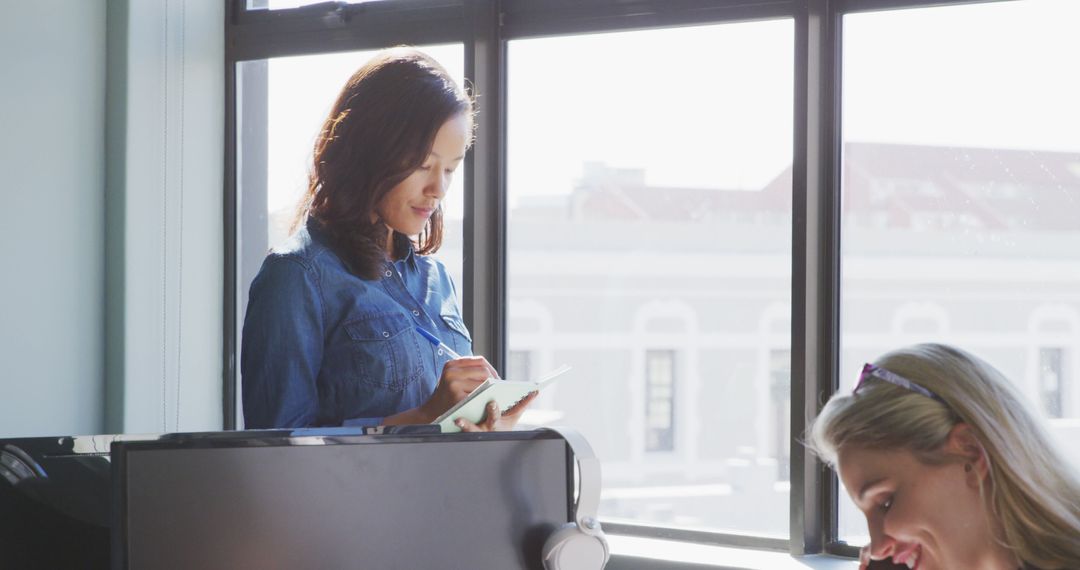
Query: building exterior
{"points": [[673, 306]]}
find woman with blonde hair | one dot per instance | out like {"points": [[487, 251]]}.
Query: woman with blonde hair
{"points": [[950, 466]]}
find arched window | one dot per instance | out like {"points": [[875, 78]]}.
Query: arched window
{"points": [[665, 332], [1053, 332]]}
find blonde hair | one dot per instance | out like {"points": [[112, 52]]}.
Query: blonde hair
{"points": [[1032, 491]]}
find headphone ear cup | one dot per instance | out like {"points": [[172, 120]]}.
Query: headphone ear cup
{"points": [[570, 548]]}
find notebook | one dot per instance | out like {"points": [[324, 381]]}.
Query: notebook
{"points": [[505, 392]]}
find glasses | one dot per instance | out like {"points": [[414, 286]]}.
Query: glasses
{"points": [[869, 370]]}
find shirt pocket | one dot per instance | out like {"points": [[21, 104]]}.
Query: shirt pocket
{"points": [[386, 352], [459, 338]]}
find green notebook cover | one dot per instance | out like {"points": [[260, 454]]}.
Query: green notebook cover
{"points": [[505, 392]]}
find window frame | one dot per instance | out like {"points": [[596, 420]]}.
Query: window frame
{"points": [[484, 27]]}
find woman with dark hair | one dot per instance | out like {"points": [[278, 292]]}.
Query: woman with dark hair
{"points": [[330, 336]]}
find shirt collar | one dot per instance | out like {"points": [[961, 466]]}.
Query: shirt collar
{"points": [[410, 256]]}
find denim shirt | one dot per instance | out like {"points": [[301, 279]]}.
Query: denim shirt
{"points": [[323, 347]]}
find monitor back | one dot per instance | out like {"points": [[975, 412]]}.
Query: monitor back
{"points": [[443, 501]]}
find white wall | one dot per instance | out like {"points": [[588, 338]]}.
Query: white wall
{"points": [[164, 237], [52, 180], [111, 162]]}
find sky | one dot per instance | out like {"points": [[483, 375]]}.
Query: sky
{"points": [[1000, 75]]}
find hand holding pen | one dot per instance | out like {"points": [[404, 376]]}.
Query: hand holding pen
{"points": [[451, 352], [460, 376], [438, 343], [458, 380]]}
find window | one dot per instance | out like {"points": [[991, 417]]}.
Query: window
{"points": [[519, 365], [780, 412], [660, 400], [1054, 334], [653, 209], [1051, 381], [959, 184], [283, 4], [648, 189]]}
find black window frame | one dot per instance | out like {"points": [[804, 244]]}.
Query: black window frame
{"points": [[484, 27]]}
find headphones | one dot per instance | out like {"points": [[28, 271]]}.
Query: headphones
{"points": [[579, 545]]}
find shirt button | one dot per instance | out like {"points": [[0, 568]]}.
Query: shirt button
{"points": [[440, 352], [415, 313], [387, 273], [386, 334]]}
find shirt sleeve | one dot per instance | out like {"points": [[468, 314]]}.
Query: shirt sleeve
{"points": [[363, 422], [282, 346]]}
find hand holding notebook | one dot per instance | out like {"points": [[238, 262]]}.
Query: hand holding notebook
{"points": [[505, 393]]}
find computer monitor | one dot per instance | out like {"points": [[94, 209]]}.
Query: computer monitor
{"points": [[340, 501]]}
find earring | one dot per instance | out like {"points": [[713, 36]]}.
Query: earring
{"points": [[967, 468]]}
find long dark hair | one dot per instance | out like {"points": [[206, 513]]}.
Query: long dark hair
{"points": [[380, 129]]}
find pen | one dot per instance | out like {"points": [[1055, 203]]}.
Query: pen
{"points": [[435, 340]]}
